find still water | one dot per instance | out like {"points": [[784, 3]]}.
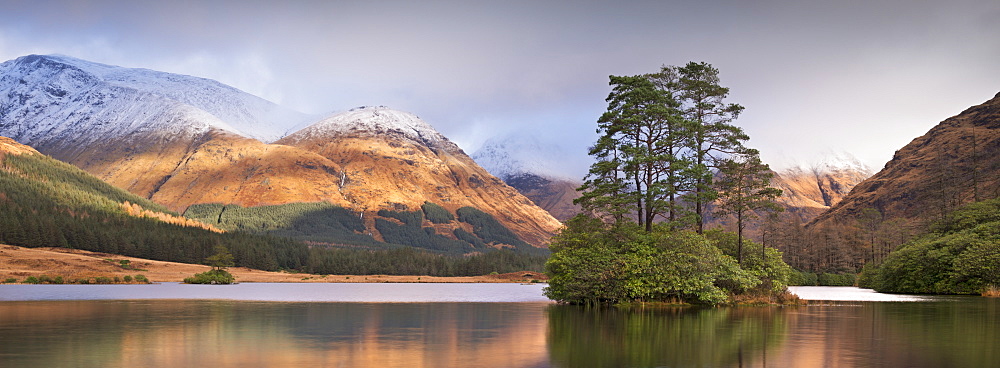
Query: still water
{"points": [[276, 325]]}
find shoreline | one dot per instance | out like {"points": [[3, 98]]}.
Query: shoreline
{"points": [[21, 262]]}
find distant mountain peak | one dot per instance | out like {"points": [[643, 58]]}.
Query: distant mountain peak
{"points": [[832, 162], [517, 154]]}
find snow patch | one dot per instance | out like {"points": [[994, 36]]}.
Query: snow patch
{"points": [[373, 120], [49, 96]]}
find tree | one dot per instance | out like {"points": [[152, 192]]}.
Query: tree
{"points": [[870, 220], [638, 169], [712, 138], [744, 187], [221, 260]]}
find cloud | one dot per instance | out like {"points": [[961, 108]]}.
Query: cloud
{"points": [[844, 76]]}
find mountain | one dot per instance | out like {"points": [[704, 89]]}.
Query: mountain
{"points": [[956, 162], [50, 97], [175, 139], [807, 191], [390, 159], [532, 168], [48, 203], [184, 141]]}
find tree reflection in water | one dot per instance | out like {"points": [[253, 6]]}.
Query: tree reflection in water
{"points": [[663, 336]]}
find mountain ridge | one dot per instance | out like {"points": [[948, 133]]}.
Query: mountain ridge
{"points": [[180, 154], [953, 163]]}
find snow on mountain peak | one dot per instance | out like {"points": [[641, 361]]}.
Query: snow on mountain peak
{"points": [[375, 120], [58, 83], [831, 163]]}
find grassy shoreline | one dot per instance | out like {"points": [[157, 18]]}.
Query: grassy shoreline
{"points": [[20, 263]]}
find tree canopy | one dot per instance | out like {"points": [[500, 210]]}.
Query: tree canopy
{"points": [[661, 142]]}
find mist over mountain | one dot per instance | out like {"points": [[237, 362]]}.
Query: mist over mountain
{"points": [[534, 169]]}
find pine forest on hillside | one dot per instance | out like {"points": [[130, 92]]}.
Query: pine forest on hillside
{"points": [[47, 203]]}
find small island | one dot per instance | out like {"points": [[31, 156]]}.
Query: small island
{"points": [[665, 155], [220, 261]]}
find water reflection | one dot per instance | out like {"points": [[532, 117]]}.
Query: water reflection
{"points": [[957, 332], [241, 334], [671, 337]]}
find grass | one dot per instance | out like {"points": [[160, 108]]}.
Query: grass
{"points": [[992, 291]]}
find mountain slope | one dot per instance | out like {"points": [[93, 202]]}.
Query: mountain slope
{"points": [[808, 192], [524, 163], [47, 203], [956, 162], [183, 141], [393, 160]]}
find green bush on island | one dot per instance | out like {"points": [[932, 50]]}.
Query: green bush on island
{"points": [[961, 255], [594, 262], [211, 277], [141, 278]]}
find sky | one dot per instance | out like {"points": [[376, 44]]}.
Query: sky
{"points": [[817, 78]]}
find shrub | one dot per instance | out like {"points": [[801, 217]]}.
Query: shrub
{"points": [[803, 278], [141, 278], [597, 263], [103, 280], [841, 279], [127, 278], [31, 280], [10, 280], [211, 277]]}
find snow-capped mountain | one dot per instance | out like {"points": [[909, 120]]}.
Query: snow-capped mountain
{"points": [[534, 169], [821, 184], [47, 97], [182, 140], [371, 120]]}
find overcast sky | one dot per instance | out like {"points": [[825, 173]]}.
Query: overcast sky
{"points": [[816, 77]]}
